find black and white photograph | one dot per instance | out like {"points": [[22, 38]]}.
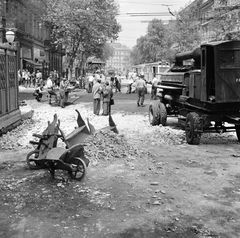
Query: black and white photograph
{"points": [[119, 118]]}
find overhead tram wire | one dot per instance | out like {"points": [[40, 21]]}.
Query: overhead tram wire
{"points": [[147, 3]]}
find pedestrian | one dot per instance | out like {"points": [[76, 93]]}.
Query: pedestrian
{"points": [[28, 78], [118, 83], [112, 82], [107, 98], [33, 79], [90, 83], [155, 82], [96, 91], [141, 87], [50, 87], [63, 92], [56, 80], [38, 93], [38, 77]]}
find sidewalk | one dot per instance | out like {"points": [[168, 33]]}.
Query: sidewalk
{"points": [[24, 89]]}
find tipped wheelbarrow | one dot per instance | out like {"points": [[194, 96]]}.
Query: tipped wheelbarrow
{"points": [[48, 155], [71, 160]]}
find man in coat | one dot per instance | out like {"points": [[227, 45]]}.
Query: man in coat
{"points": [[107, 96], [96, 92]]}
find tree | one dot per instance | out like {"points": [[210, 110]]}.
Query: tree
{"points": [[108, 52], [186, 32], [154, 46], [83, 26]]}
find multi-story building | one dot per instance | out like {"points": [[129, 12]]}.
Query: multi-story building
{"points": [[215, 19], [120, 61], [32, 36]]}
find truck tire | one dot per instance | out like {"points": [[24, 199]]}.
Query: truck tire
{"points": [[154, 113], [191, 127], [163, 114], [238, 131]]}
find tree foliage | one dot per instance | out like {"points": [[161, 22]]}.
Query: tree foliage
{"points": [[83, 26], [154, 45], [186, 32]]}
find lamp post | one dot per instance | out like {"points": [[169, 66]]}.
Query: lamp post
{"points": [[10, 36]]}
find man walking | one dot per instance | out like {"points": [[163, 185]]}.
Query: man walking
{"points": [[96, 91], [155, 82], [141, 87]]}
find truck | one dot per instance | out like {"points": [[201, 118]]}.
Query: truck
{"points": [[204, 93]]}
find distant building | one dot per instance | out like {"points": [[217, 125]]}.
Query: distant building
{"points": [[32, 36], [120, 61]]}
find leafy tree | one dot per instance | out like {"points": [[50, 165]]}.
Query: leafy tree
{"points": [[154, 46], [186, 33], [108, 52], [83, 26]]}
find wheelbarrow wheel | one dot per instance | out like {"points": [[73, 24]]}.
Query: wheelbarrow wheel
{"points": [[79, 169], [32, 161]]}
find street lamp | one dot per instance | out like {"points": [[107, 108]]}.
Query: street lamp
{"points": [[10, 35]]}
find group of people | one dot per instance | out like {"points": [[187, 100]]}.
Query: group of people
{"points": [[104, 93], [28, 79], [53, 83], [141, 88], [116, 83], [91, 78], [62, 84]]}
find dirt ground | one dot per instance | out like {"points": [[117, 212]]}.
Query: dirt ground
{"points": [[163, 188]]}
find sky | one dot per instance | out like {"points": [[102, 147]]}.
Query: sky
{"points": [[135, 26]]}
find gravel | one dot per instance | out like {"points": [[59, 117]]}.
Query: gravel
{"points": [[134, 129]]}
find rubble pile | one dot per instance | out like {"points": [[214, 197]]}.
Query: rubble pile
{"points": [[19, 137], [107, 145]]}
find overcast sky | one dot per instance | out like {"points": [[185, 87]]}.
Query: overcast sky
{"points": [[133, 27]]}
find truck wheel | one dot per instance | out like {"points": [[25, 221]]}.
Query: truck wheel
{"points": [[238, 131], [191, 127], [163, 114], [154, 113]]}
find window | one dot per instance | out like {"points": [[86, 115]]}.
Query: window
{"points": [[229, 59]]}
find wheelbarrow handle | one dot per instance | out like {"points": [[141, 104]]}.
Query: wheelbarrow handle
{"points": [[38, 135]]}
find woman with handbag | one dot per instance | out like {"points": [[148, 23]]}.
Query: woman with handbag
{"points": [[107, 99]]}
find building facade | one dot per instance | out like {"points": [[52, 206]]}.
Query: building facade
{"points": [[32, 36], [120, 61], [215, 20]]}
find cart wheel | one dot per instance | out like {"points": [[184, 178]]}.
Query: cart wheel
{"points": [[238, 131], [154, 113], [32, 160], [163, 114], [192, 124], [79, 169]]}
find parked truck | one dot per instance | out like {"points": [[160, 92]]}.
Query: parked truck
{"points": [[205, 93]]}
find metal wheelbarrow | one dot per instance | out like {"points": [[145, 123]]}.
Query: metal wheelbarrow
{"points": [[71, 160]]}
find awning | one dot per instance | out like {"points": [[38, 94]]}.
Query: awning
{"points": [[33, 63]]}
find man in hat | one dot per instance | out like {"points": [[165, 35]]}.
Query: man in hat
{"points": [[141, 88]]}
